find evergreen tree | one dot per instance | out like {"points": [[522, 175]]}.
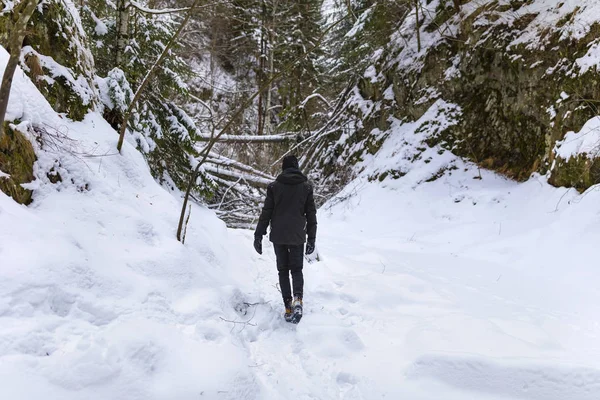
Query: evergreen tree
{"points": [[298, 40], [124, 54]]}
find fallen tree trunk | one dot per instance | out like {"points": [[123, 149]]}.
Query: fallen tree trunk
{"points": [[233, 175], [220, 160], [249, 138]]}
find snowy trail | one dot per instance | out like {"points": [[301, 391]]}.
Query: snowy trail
{"points": [[399, 315]]}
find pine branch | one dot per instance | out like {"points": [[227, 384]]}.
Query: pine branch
{"points": [[146, 79]]}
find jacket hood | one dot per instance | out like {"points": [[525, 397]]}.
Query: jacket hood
{"points": [[292, 176]]}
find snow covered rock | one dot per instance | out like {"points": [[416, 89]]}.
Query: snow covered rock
{"points": [[16, 165], [577, 162], [56, 57], [521, 72]]}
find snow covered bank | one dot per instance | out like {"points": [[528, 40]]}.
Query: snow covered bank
{"points": [[97, 298]]}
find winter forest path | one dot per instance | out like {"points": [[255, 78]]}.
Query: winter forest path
{"points": [[392, 315]]}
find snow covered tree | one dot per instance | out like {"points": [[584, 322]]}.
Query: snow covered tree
{"points": [[267, 36], [298, 39], [129, 38]]}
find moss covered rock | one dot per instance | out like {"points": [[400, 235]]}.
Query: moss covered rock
{"points": [[16, 160], [517, 99], [579, 172]]}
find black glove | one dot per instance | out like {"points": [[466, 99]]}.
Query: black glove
{"points": [[258, 244], [310, 247]]}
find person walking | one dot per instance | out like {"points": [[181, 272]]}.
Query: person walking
{"points": [[290, 210]]}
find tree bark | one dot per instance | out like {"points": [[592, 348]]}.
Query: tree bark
{"points": [[261, 67], [21, 16], [456, 5], [146, 79], [271, 51], [417, 28], [122, 30], [250, 138], [267, 117]]}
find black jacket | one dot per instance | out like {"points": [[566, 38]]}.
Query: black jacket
{"points": [[290, 209]]}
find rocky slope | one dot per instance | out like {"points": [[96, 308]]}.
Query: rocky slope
{"points": [[516, 78]]}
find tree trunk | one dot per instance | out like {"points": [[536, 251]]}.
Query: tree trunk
{"points": [[456, 5], [271, 50], [261, 67], [267, 121], [146, 79], [250, 138], [417, 28], [21, 16], [122, 30]]}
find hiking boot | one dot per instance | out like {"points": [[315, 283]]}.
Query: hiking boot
{"points": [[288, 310], [296, 310]]}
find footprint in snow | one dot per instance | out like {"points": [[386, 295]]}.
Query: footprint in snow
{"points": [[351, 340], [349, 298]]}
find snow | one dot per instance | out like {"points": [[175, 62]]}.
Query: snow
{"points": [[568, 19], [9, 5], [97, 299], [359, 23], [586, 141], [371, 73], [155, 11], [454, 289], [23, 105], [101, 29], [591, 59], [78, 84], [404, 150]]}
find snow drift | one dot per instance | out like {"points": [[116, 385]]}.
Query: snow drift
{"points": [[97, 298]]}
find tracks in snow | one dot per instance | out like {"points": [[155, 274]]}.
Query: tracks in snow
{"points": [[380, 323]]}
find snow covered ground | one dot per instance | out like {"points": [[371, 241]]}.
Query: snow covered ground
{"points": [[458, 289], [454, 289]]}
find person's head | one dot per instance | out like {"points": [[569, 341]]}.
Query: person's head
{"points": [[290, 162]]}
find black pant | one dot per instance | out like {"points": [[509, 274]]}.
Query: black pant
{"points": [[290, 258]]}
